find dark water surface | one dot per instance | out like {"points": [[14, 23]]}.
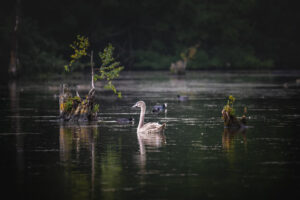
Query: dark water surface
{"points": [[42, 158]]}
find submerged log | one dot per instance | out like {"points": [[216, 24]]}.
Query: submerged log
{"points": [[77, 108]]}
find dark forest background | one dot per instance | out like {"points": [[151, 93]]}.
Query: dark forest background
{"points": [[231, 34]]}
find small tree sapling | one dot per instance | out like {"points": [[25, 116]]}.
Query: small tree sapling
{"points": [[85, 109]]}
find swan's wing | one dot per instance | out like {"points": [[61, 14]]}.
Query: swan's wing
{"points": [[152, 127]]}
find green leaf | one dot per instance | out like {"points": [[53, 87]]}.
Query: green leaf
{"points": [[67, 68], [109, 68], [80, 46]]}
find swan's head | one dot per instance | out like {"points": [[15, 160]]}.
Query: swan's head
{"points": [[139, 104]]}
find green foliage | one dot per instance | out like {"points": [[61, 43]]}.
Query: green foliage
{"points": [[80, 46], [96, 108], [109, 69], [151, 59], [76, 98], [37, 53], [233, 34], [68, 105], [229, 106]]}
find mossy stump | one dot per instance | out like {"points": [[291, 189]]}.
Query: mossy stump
{"points": [[230, 121], [77, 108], [228, 115]]}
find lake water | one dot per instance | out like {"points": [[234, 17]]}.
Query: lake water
{"points": [[195, 158]]}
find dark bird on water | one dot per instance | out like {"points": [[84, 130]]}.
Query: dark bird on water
{"points": [[159, 108], [182, 98], [125, 120]]}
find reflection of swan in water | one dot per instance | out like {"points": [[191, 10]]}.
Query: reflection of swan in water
{"points": [[151, 140], [149, 127]]}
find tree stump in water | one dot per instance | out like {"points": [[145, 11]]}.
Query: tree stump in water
{"points": [[230, 121], [76, 108], [178, 67]]}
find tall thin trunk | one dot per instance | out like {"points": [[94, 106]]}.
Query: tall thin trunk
{"points": [[92, 68], [14, 60], [16, 124]]}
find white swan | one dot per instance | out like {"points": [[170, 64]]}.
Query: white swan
{"points": [[149, 127]]}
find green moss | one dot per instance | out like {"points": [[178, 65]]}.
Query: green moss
{"points": [[69, 105], [76, 98], [96, 108]]}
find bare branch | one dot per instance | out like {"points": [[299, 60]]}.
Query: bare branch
{"points": [[92, 68]]}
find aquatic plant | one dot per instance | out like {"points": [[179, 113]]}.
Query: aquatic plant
{"points": [[229, 106], [109, 68], [228, 114], [75, 108], [68, 105]]}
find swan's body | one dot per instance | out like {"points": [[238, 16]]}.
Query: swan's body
{"points": [[149, 127]]}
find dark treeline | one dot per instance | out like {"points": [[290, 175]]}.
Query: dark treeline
{"points": [[232, 34]]}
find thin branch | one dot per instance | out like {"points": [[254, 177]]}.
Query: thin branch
{"points": [[92, 69], [77, 94]]}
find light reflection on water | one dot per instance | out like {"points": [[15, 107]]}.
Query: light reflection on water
{"points": [[195, 157]]}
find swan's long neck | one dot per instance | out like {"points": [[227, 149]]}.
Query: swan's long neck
{"points": [[142, 116]]}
